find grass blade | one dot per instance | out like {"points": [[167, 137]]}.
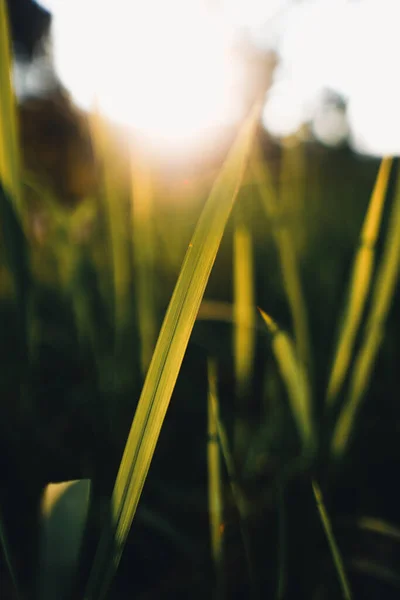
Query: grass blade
{"points": [[295, 379], [215, 488], [243, 331], [384, 287], [360, 283], [143, 247], [238, 496], [9, 146], [167, 359], [337, 559], [116, 213], [287, 252]]}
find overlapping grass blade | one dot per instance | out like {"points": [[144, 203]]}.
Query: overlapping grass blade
{"points": [[337, 558], [167, 359], [215, 487], [295, 379], [237, 494], [383, 290], [243, 331], [9, 147], [287, 252], [360, 283]]}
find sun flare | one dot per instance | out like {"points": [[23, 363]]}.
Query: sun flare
{"points": [[167, 69]]}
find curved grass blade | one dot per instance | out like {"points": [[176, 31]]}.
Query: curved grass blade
{"points": [[384, 287], [337, 558], [9, 147], [360, 283], [295, 379], [167, 359], [287, 253]]}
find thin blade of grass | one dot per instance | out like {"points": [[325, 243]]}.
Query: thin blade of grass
{"points": [[167, 359], [215, 487], [9, 147], [143, 247], [287, 251], [360, 283], [383, 290], [236, 491], [116, 215], [295, 379], [243, 332], [337, 558], [8, 559]]}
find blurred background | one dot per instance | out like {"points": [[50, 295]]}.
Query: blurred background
{"points": [[174, 81]]}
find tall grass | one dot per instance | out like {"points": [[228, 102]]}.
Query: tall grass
{"points": [[129, 259]]}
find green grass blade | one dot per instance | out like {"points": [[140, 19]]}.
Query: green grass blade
{"points": [[244, 335], [360, 283], [384, 287], [167, 359], [238, 495], [143, 247], [295, 379], [337, 558], [116, 216], [215, 486], [9, 146], [287, 252]]}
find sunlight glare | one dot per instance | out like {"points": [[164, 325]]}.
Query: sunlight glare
{"points": [[164, 68]]}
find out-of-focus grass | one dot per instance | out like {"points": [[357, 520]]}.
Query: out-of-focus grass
{"points": [[117, 225], [244, 328], [134, 243], [337, 558], [215, 482], [373, 332], [9, 146], [360, 283], [143, 247], [296, 381], [277, 205]]}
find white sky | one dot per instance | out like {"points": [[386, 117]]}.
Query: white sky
{"points": [[182, 80]]}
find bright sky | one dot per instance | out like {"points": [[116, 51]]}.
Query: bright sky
{"points": [[165, 66]]}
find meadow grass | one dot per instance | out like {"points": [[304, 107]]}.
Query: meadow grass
{"points": [[129, 259]]}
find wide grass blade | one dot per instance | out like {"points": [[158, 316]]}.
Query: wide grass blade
{"points": [[360, 283], [286, 248], [167, 359], [244, 334], [295, 379], [337, 558], [384, 287], [9, 147], [215, 486]]}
